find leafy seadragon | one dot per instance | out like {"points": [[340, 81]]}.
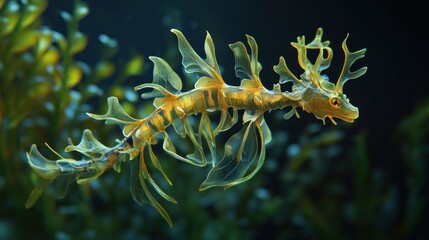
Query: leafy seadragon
{"points": [[244, 152]]}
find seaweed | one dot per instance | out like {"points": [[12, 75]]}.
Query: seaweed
{"points": [[45, 90]]}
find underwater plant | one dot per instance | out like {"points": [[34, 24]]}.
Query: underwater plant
{"points": [[243, 153], [45, 90], [412, 137]]}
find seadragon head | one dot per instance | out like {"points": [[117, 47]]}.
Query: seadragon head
{"points": [[316, 94]]}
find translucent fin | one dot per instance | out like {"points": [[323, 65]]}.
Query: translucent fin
{"points": [[250, 116], [40, 187], [157, 164], [171, 150], [159, 101], [61, 185], [205, 82], [116, 115], [247, 68], [140, 191], [88, 146], [265, 130], [226, 121], [164, 76], [158, 90], [256, 66], [179, 127], [210, 53], [92, 172], [45, 168], [144, 172], [243, 157], [205, 129], [195, 64], [198, 155]]}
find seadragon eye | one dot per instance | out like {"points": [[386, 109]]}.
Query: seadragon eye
{"points": [[335, 102]]}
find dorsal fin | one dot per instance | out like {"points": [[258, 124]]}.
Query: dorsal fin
{"points": [[207, 71], [247, 67]]}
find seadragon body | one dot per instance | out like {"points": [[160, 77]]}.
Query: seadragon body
{"points": [[244, 152]]}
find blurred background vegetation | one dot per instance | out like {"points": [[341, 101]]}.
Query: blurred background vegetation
{"points": [[367, 180]]}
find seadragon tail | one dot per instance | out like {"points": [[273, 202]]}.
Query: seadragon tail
{"points": [[97, 159]]}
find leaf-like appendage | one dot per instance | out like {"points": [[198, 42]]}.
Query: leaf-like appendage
{"points": [[47, 169], [88, 146], [205, 129], [226, 121], [169, 148], [210, 53], [243, 70], [157, 164], [350, 58], [285, 74], [115, 114], [198, 155], [247, 67], [44, 167], [140, 191], [243, 157], [41, 186], [266, 132], [93, 172], [321, 62], [256, 66], [193, 63], [164, 76]]}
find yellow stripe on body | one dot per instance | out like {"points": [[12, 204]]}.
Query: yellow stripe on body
{"points": [[207, 99]]}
